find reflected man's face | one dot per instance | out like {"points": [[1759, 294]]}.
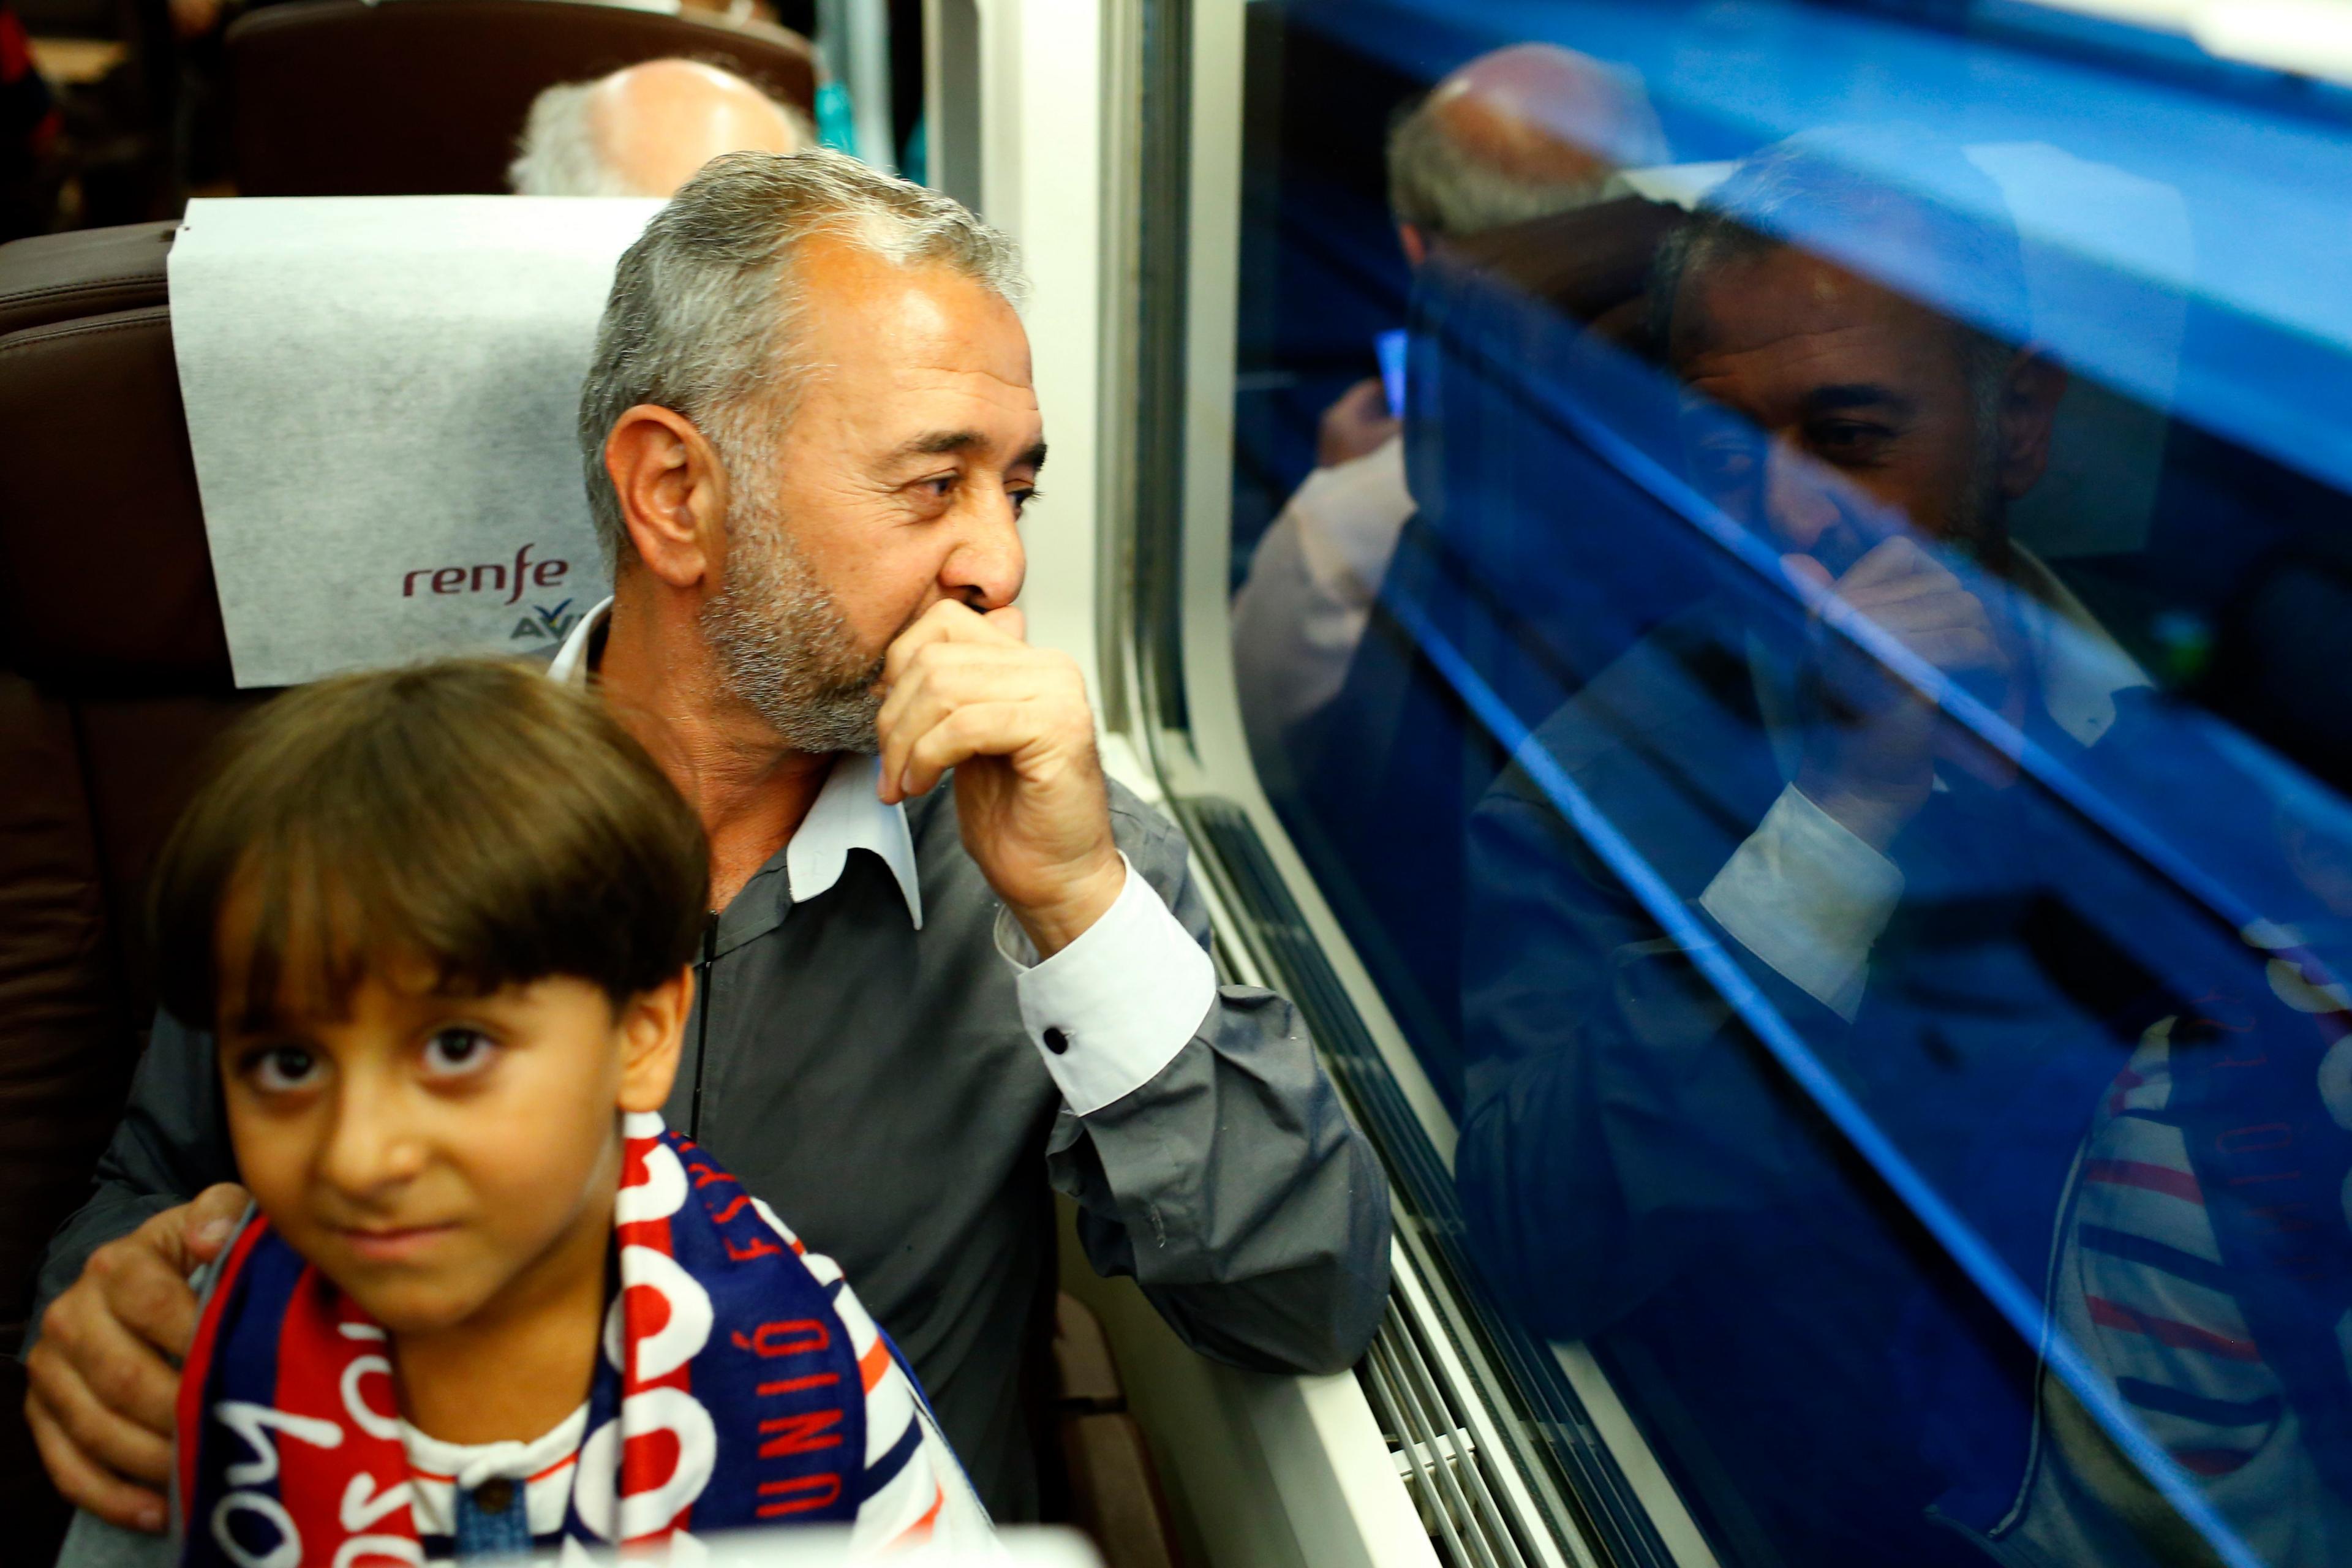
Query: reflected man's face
{"points": [[1826, 410]]}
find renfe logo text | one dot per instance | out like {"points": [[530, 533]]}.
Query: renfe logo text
{"points": [[495, 576]]}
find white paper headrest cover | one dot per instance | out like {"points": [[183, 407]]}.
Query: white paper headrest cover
{"points": [[381, 394]]}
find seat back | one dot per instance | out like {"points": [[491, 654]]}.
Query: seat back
{"points": [[114, 678], [331, 97]]}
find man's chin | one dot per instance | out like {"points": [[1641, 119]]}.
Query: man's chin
{"points": [[819, 728]]}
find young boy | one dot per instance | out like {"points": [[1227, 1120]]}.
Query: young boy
{"points": [[442, 920]]}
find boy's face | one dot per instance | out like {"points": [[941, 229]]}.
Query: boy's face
{"points": [[436, 1154]]}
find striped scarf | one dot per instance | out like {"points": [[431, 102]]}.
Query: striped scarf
{"points": [[728, 1393]]}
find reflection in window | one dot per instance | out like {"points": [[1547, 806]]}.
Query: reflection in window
{"points": [[1821, 710]]}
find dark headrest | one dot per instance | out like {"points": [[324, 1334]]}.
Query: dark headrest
{"points": [[105, 578], [345, 97], [60, 277]]}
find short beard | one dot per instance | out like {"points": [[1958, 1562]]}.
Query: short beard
{"points": [[784, 647]]}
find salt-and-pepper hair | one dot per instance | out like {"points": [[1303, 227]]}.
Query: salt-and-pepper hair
{"points": [[705, 310], [556, 155]]}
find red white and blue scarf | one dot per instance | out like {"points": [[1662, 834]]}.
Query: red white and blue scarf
{"points": [[728, 1393]]}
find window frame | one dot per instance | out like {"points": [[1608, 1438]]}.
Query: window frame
{"points": [[1591, 1491]]}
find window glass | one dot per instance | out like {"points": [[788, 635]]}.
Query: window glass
{"points": [[1815, 672]]}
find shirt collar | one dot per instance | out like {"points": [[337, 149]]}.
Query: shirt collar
{"points": [[573, 665], [849, 814], [2082, 667]]}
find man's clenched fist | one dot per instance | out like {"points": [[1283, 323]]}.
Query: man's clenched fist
{"points": [[967, 692]]}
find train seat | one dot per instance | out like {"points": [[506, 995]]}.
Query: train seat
{"points": [[114, 674], [331, 97]]}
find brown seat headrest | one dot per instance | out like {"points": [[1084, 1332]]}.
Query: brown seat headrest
{"points": [[60, 277], [106, 581], [345, 97]]}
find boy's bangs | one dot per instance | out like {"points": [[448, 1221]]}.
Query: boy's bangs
{"points": [[455, 828], [298, 940]]}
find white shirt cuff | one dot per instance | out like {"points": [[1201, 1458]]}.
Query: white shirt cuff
{"points": [[1110, 1010], [1808, 898]]}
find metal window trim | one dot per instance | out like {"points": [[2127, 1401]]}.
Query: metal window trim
{"points": [[1191, 742]]}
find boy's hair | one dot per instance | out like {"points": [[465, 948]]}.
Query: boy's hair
{"points": [[475, 817]]}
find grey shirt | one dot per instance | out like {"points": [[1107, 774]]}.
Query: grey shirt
{"points": [[875, 1081]]}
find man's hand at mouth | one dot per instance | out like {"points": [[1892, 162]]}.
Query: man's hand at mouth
{"points": [[1870, 759], [968, 693]]}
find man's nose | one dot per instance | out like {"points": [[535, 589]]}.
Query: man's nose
{"points": [[1800, 506], [985, 567], [372, 1147]]}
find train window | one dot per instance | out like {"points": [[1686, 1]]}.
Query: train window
{"points": [[1790, 585]]}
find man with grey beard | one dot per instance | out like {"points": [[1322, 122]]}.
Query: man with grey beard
{"points": [[1795, 832], [948, 962]]}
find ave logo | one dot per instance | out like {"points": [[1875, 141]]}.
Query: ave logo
{"points": [[543, 622]]}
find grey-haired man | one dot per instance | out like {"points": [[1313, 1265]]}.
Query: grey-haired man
{"points": [[809, 434]]}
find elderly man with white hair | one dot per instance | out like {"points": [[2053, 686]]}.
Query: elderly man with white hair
{"points": [[644, 130], [1520, 134]]}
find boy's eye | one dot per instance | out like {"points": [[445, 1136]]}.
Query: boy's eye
{"points": [[456, 1052], [281, 1069]]}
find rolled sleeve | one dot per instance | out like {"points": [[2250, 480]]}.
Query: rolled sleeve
{"points": [[1807, 898], [1113, 1009]]}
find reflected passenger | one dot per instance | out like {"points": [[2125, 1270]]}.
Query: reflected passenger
{"points": [[644, 131], [1525, 133], [1939, 939]]}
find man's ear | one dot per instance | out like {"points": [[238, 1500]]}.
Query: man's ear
{"points": [[652, 1032], [673, 492], [1414, 243], [2031, 389]]}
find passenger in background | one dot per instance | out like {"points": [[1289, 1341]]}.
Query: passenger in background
{"points": [[644, 131], [950, 967], [1524, 132], [1641, 1172]]}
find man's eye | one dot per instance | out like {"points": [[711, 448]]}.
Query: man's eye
{"points": [[1021, 499], [281, 1069], [456, 1053], [1846, 440]]}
